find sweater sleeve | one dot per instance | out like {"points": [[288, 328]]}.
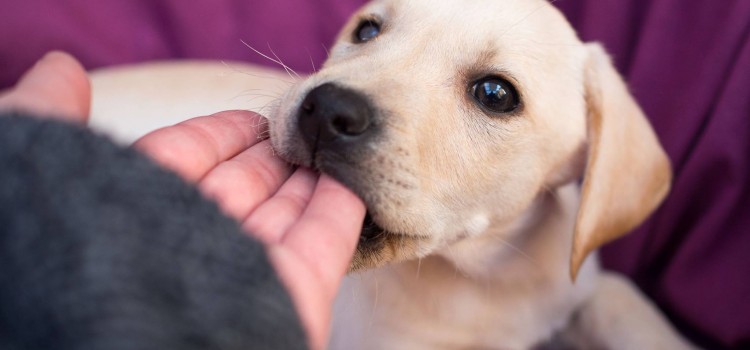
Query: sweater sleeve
{"points": [[102, 249]]}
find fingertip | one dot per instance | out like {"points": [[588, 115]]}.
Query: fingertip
{"points": [[71, 69], [348, 198], [72, 74], [57, 85], [254, 125], [328, 231], [195, 146], [62, 59]]}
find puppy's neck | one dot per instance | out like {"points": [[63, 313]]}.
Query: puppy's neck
{"points": [[534, 248], [513, 279]]}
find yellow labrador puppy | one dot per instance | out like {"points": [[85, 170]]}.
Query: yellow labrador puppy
{"points": [[465, 126]]}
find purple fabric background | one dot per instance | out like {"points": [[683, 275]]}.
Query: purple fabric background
{"points": [[107, 32], [687, 62]]}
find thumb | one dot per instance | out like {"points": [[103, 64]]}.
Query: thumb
{"points": [[56, 86]]}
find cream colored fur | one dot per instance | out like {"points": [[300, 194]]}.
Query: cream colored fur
{"points": [[487, 221]]}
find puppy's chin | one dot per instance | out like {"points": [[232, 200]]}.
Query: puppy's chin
{"points": [[378, 247]]}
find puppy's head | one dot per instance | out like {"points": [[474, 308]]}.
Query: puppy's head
{"points": [[450, 117]]}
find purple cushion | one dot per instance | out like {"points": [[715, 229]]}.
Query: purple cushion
{"points": [[687, 62]]}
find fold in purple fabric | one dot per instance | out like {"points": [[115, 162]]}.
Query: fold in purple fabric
{"points": [[687, 62]]}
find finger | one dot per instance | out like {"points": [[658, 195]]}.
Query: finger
{"points": [[273, 218], [315, 253], [328, 231], [242, 183], [56, 86], [310, 295], [194, 147]]}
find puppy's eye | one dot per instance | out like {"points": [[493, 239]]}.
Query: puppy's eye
{"points": [[495, 94], [366, 31]]}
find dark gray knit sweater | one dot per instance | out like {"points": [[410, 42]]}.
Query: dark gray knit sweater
{"points": [[102, 249]]}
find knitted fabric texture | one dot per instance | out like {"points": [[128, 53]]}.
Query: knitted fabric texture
{"points": [[102, 249]]}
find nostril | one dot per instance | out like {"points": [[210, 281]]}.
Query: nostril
{"points": [[349, 125]]}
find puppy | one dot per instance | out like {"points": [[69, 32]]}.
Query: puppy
{"points": [[465, 126]]}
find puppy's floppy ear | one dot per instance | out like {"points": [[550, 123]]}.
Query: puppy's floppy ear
{"points": [[627, 173]]}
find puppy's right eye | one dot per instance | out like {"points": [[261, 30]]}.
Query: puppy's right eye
{"points": [[366, 31]]}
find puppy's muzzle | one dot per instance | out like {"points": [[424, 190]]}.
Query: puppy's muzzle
{"points": [[334, 119], [338, 127]]}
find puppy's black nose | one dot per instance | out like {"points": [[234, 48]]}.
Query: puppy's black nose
{"points": [[334, 115]]}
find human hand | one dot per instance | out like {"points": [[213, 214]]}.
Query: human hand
{"points": [[309, 223]]}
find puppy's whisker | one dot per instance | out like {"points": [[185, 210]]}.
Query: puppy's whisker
{"points": [[262, 126], [271, 150], [519, 251], [374, 303], [288, 70], [312, 63], [261, 123], [328, 53], [278, 90], [263, 108], [526, 16], [282, 62], [539, 43], [419, 267], [255, 107], [268, 108], [256, 95], [546, 189], [456, 271], [236, 70], [249, 97]]}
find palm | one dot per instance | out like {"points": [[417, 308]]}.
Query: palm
{"points": [[309, 222]]}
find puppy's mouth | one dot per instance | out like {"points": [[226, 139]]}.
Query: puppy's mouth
{"points": [[378, 246], [370, 231], [335, 128]]}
